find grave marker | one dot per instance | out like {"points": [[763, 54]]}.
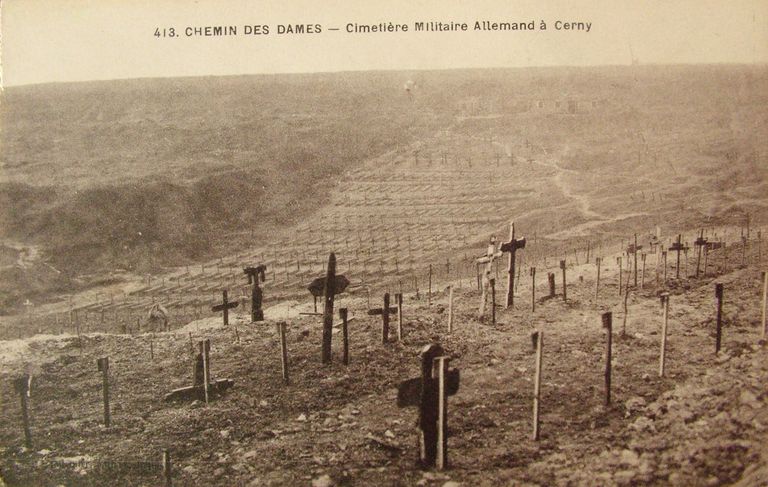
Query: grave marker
{"points": [[102, 365], [662, 357], [538, 339], [329, 292], [700, 244], [224, 307], [562, 267], [202, 385], [256, 275], [598, 261], [430, 394], [22, 386], [384, 311], [634, 249], [719, 297], [167, 471], [512, 246], [343, 314], [676, 247], [551, 280], [608, 326], [283, 351]]}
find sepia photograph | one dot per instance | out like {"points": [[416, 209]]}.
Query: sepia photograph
{"points": [[406, 243]]}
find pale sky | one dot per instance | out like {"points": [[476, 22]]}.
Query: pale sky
{"points": [[76, 40]]}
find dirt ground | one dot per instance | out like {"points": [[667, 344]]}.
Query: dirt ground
{"points": [[704, 423]]}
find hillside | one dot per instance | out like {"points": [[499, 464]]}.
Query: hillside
{"points": [[148, 177]]}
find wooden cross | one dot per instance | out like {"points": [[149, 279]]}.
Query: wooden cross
{"points": [[678, 247], [202, 385], [384, 311], [329, 293], [633, 249], [512, 246], [426, 393], [256, 275], [700, 243], [488, 259], [225, 306]]}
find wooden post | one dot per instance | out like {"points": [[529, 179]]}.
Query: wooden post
{"points": [[662, 358], [539, 338], [598, 261], [626, 311], [608, 326], [533, 289], [283, 351], [21, 385], [385, 320], [765, 298], [441, 460], [719, 297], [205, 348], [642, 278], [618, 262], [450, 309], [429, 292], [399, 303], [343, 314], [635, 259], [562, 266], [664, 257], [103, 367], [167, 471], [329, 292], [551, 280], [492, 282]]}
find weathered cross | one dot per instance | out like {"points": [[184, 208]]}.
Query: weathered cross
{"points": [[700, 243], [202, 385], [256, 275], [512, 246], [384, 311], [430, 393], [633, 249], [488, 259], [678, 247], [225, 306]]}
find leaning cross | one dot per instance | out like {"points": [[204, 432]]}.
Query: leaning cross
{"points": [[512, 246], [678, 247], [384, 311], [256, 275], [424, 392], [225, 306]]}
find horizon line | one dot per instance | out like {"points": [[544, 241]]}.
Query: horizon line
{"points": [[385, 70]]}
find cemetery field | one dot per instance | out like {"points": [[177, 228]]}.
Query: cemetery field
{"points": [[622, 184], [703, 423]]}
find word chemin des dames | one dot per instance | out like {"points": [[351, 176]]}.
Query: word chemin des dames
{"points": [[377, 28]]}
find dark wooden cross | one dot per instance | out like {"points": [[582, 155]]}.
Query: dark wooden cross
{"points": [[700, 243], [329, 293], [317, 288], [678, 247], [424, 392], [384, 311], [202, 384], [633, 250], [22, 386], [512, 246], [225, 306], [256, 275]]}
